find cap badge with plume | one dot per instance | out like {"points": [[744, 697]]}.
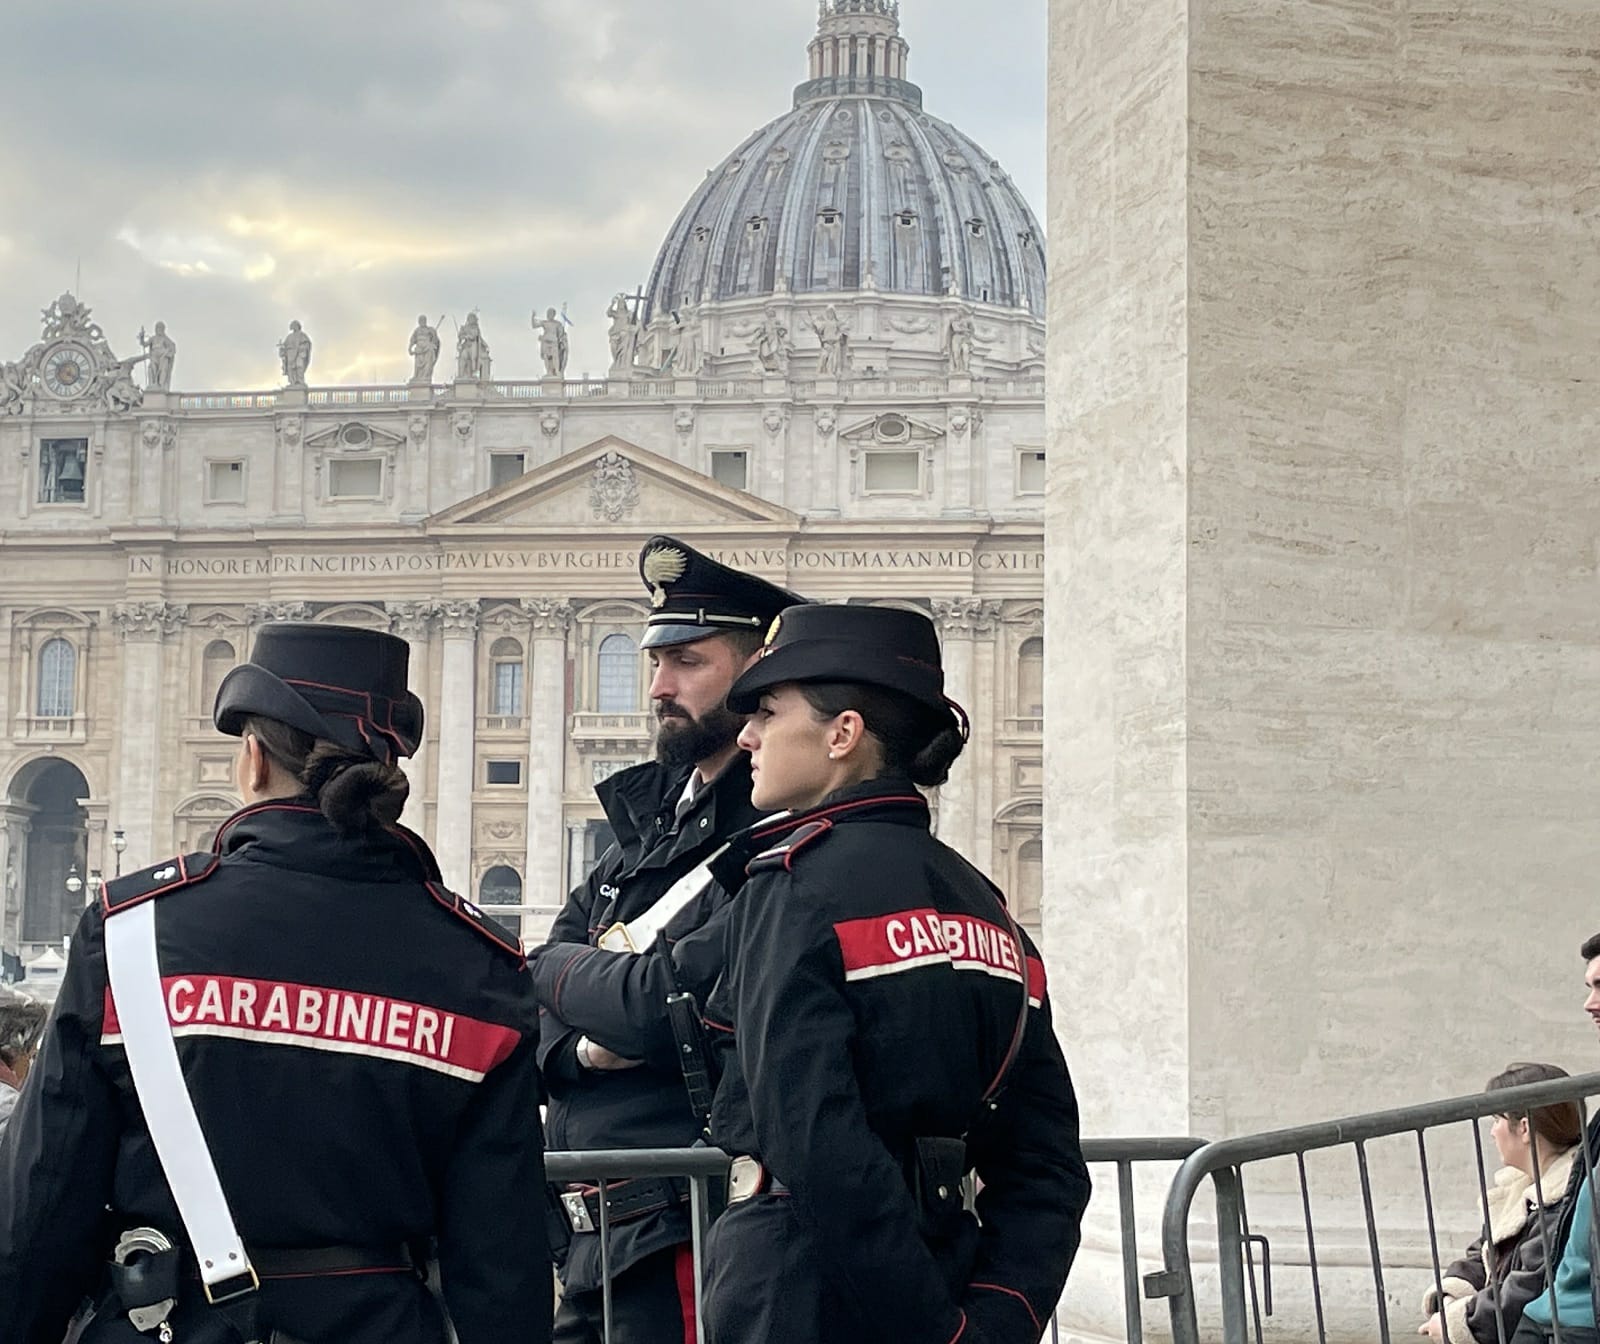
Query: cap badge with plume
{"points": [[661, 567]]}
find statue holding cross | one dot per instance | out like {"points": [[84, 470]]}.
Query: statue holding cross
{"points": [[624, 314]]}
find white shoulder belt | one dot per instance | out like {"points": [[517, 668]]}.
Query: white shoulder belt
{"points": [[158, 1080]]}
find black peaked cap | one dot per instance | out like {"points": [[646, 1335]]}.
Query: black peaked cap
{"points": [[695, 597], [333, 681], [874, 646]]}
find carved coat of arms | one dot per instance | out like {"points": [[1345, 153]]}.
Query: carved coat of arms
{"points": [[614, 489]]}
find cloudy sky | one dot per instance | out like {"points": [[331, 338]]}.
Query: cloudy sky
{"points": [[226, 165]]}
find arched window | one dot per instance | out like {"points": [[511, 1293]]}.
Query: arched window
{"points": [[617, 687], [215, 664], [506, 698], [1027, 898], [500, 886], [58, 674], [1030, 679]]}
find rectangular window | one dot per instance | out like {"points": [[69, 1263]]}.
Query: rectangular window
{"points": [[355, 478], [63, 470], [1030, 472], [224, 482], [507, 689], [504, 772], [505, 468], [731, 467], [893, 473]]}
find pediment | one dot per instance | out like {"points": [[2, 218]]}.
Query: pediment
{"points": [[354, 436], [611, 482], [892, 429]]}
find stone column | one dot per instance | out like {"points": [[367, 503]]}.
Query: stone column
{"points": [[1323, 694], [458, 731], [961, 621], [414, 622], [543, 876], [13, 873], [143, 626], [575, 833]]}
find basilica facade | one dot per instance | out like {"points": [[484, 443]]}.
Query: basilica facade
{"points": [[833, 379]]}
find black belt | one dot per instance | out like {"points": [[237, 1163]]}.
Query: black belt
{"points": [[273, 1262], [626, 1201]]}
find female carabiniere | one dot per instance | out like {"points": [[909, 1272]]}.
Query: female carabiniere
{"points": [[884, 1023], [294, 1060]]}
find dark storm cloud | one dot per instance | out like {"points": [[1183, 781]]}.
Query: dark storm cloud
{"points": [[227, 166]]}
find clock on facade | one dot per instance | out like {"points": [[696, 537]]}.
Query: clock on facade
{"points": [[67, 371]]}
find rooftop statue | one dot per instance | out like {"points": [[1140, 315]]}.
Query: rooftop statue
{"points": [[624, 333], [472, 352], [771, 344], [834, 336], [161, 350], [552, 343], [294, 353], [424, 350]]}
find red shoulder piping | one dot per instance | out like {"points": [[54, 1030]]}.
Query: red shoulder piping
{"points": [[185, 878], [452, 903]]}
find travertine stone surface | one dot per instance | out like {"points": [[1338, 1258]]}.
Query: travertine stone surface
{"points": [[1324, 694]]}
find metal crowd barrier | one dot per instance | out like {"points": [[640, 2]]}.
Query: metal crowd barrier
{"points": [[1244, 1298], [700, 1166]]}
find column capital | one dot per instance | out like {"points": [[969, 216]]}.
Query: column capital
{"points": [[459, 617], [550, 617], [965, 617], [412, 621], [257, 613], [148, 621]]}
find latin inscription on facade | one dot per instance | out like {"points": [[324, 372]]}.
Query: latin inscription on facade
{"points": [[531, 562]]}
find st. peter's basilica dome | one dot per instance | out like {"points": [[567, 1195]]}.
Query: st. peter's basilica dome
{"points": [[856, 188]]}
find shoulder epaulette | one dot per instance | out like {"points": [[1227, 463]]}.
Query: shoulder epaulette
{"points": [[489, 928], [782, 855], [122, 893]]}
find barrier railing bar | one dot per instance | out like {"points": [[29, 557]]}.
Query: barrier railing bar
{"points": [[1131, 1302], [1483, 1198], [1230, 1255], [605, 1266], [697, 1227], [1433, 1231], [1311, 1251], [1372, 1240], [1219, 1162], [700, 1165], [1249, 1243]]}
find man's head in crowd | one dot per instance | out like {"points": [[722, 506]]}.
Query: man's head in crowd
{"points": [[707, 625]]}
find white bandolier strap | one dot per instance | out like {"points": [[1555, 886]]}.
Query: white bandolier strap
{"points": [[639, 935], [169, 1114]]}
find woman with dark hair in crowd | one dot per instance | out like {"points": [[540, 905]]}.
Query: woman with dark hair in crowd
{"points": [[21, 1021], [1506, 1269], [277, 1071], [883, 1024]]}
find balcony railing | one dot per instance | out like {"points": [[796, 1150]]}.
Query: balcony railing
{"points": [[595, 730], [67, 728], [878, 385]]}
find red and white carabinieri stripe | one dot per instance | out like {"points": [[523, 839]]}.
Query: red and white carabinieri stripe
{"points": [[341, 1021], [909, 939]]}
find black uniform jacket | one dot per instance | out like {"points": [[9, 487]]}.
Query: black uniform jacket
{"points": [[360, 1047], [618, 999], [873, 990]]}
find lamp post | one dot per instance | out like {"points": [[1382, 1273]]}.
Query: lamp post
{"points": [[74, 882], [119, 842]]}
